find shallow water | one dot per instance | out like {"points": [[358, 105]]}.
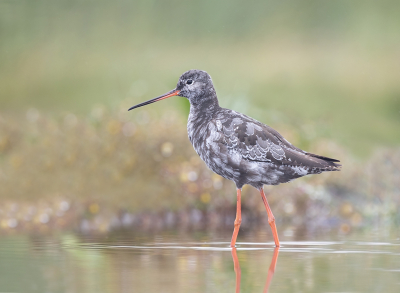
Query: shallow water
{"points": [[198, 262]]}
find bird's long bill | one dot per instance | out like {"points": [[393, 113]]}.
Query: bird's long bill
{"points": [[164, 96]]}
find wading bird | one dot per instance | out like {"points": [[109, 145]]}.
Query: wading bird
{"points": [[240, 148]]}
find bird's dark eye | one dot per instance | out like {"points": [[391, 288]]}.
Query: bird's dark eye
{"points": [[189, 81]]}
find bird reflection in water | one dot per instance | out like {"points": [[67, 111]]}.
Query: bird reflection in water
{"points": [[270, 274]]}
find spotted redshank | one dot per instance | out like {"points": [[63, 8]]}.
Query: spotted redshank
{"points": [[240, 148]]}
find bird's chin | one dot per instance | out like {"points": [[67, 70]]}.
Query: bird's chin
{"points": [[183, 95]]}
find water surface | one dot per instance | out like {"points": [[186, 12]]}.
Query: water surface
{"points": [[197, 262]]}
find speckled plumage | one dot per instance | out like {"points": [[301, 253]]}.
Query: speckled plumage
{"points": [[240, 148]]}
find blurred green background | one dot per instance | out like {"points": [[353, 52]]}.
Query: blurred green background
{"points": [[323, 73]]}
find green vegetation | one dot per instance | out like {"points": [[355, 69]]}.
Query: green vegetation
{"points": [[317, 71], [331, 65]]}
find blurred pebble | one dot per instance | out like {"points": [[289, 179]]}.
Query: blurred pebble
{"points": [[85, 226], [170, 219], [344, 228], [356, 219], [205, 197], [192, 176], [12, 223], [127, 219], [44, 218], [167, 148], [346, 209], [64, 205], [217, 183], [94, 208], [196, 216]]}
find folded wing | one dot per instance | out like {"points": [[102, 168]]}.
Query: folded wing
{"points": [[258, 142]]}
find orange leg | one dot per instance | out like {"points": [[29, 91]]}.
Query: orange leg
{"points": [[271, 270], [237, 269], [238, 219], [271, 218]]}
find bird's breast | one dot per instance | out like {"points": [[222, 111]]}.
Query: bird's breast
{"points": [[204, 135], [197, 132]]}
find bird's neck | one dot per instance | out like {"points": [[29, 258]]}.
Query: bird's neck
{"points": [[200, 116], [205, 109], [206, 104]]}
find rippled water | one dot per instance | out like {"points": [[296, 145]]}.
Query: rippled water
{"points": [[197, 262]]}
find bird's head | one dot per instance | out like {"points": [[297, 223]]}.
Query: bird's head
{"points": [[195, 85]]}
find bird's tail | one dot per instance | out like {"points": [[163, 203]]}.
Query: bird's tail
{"points": [[326, 164]]}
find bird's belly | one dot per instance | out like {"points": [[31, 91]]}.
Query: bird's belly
{"points": [[226, 163], [231, 165]]}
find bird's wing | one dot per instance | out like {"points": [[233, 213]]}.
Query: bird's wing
{"points": [[259, 142]]}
